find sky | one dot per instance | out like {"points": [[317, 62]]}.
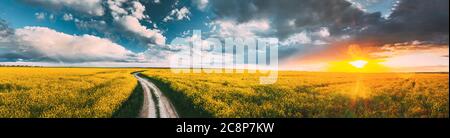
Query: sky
{"points": [[397, 35]]}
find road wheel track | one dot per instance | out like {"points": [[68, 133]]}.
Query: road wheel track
{"points": [[156, 104]]}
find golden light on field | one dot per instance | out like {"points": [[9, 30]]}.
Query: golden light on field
{"points": [[359, 63], [313, 94], [356, 59]]}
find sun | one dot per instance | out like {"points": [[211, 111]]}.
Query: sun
{"points": [[358, 63]]}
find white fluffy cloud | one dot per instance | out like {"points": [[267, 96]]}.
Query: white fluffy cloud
{"points": [[226, 28], [138, 10], [318, 37], [323, 32], [92, 7], [201, 4], [116, 8], [178, 14], [128, 17], [133, 25], [296, 39], [67, 17], [44, 44], [129, 20], [40, 15]]}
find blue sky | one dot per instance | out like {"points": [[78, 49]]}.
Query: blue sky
{"points": [[138, 31], [20, 14]]}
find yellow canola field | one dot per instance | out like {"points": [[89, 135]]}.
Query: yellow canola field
{"points": [[313, 95], [63, 92]]}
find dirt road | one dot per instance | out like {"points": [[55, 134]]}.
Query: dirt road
{"points": [[156, 105]]}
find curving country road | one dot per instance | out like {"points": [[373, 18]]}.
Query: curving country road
{"points": [[155, 105]]}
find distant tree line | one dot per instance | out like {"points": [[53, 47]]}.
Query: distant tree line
{"points": [[18, 66]]}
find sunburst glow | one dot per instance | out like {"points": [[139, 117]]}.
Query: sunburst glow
{"points": [[359, 63]]}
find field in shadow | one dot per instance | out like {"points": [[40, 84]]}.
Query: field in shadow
{"points": [[131, 107]]}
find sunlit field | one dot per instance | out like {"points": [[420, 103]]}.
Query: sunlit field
{"points": [[95, 92], [63, 92], [310, 95]]}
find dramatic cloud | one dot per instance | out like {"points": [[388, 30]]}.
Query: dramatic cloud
{"points": [[92, 7], [306, 29], [322, 29], [44, 44], [5, 31], [292, 17], [411, 20], [385, 7]]}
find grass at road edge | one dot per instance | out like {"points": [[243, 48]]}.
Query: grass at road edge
{"points": [[183, 105], [132, 106]]}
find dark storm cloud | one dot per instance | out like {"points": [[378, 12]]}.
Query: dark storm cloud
{"points": [[305, 14], [5, 31], [423, 20], [5, 35]]}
